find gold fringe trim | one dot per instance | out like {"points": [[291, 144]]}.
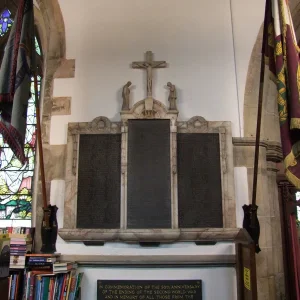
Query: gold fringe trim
{"points": [[295, 123], [292, 178], [290, 160]]}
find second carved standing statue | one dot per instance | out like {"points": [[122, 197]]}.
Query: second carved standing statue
{"points": [[172, 96], [125, 95]]}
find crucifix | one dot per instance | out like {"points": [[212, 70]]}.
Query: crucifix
{"points": [[149, 64]]}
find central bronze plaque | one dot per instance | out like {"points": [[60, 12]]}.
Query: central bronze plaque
{"points": [[149, 289], [149, 178]]}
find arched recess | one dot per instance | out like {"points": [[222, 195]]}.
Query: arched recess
{"points": [[50, 25]]}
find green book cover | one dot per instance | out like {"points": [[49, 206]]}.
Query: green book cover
{"points": [[46, 280], [78, 284]]}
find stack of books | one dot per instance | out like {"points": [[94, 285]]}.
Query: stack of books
{"points": [[64, 267], [21, 230], [48, 278], [20, 245], [41, 261]]}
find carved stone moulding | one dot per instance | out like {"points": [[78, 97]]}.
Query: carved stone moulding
{"points": [[171, 260], [156, 235], [149, 109], [273, 149]]}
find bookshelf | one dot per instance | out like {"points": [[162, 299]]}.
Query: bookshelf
{"points": [[34, 276]]}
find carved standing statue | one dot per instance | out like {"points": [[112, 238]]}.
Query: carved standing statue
{"points": [[172, 96], [125, 95]]}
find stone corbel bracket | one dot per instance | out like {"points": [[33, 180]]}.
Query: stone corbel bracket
{"points": [[273, 149]]}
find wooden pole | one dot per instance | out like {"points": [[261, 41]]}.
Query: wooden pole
{"points": [[39, 142], [258, 129]]}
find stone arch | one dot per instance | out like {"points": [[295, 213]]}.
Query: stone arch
{"points": [[270, 122], [50, 25], [50, 16]]}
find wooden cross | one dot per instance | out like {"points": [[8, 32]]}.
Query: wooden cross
{"points": [[149, 64]]}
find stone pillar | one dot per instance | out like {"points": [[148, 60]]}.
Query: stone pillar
{"points": [[269, 262]]}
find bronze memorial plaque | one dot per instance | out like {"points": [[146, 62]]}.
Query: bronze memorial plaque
{"points": [[149, 289], [149, 178], [99, 181], [199, 180]]}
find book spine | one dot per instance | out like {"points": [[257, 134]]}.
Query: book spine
{"points": [[36, 263], [17, 286], [24, 286], [78, 284], [13, 287], [65, 288], [51, 287], [55, 289], [61, 279], [72, 289], [32, 259], [69, 285], [37, 287], [32, 283], [42, 287], [27, 291], [10, 283], [46, 280]]}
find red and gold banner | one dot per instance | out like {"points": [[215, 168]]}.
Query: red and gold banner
{"points": [[282, 55]]}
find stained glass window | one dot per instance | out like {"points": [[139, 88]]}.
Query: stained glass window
{"points": [[16, 181], [5, 21], [37, 46]]}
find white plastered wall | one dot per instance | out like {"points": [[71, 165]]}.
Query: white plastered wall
{"points": [[207, 45]]}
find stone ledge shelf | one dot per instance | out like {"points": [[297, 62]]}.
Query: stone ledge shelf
{"points": [[155, 235], [170, 260]]}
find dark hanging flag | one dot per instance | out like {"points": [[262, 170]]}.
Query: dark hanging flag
{"points": [[282, 55], [15, 79]]}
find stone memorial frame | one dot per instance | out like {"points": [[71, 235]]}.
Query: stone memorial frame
{"points": [[150, 109]]}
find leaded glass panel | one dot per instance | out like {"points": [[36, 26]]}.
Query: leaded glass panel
{"points": [[5, 21], [16, 180]]}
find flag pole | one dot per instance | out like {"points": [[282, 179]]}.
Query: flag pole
{"points": [[258, 130], [49, 224], [250, 221], [39, 142]]}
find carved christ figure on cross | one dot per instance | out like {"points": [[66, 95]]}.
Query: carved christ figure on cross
{"points": [[149, 64]]}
